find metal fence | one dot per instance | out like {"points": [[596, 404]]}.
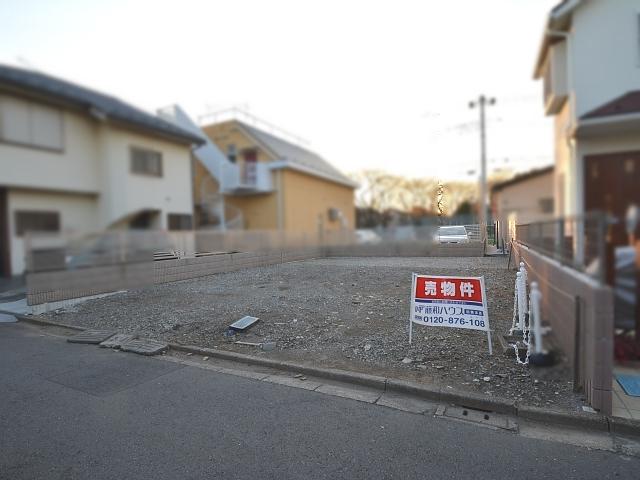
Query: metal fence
{"points": [[69, 251], [576, 241]]}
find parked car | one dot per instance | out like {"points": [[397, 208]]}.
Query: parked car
{"points": [[367, 236], [452, 234]]}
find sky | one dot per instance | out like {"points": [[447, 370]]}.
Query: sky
{"points": [[370, 84]]}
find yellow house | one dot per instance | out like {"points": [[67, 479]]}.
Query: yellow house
{"points": [[270, 183]]}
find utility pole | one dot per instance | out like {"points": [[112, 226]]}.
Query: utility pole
{"points": [[481, 103]]}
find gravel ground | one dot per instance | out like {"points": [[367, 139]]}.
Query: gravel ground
{"points": [[348, 313]]}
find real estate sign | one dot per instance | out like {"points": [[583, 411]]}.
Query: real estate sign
{"points": [[456, 302]]}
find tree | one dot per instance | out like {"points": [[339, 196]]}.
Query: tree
{"points": [[384, 192]]}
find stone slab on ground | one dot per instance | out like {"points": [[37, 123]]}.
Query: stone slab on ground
{"points": [[117, 340], [144, 347], [5, 318], [92, 337]]}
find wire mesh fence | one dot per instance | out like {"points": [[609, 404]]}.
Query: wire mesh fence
{"points": [[69, 251], [576, 241]]}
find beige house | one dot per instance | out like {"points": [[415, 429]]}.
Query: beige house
{"points": [[76, 160], [525, 198], [269, 183], [589, 64]]}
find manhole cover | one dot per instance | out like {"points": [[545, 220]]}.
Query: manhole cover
{"points": [[488, 419], [91, 337]]}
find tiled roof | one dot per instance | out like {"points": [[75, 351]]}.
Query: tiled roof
{"points": [[522, 178], [297, 156], [625, 104], [107, 105]]}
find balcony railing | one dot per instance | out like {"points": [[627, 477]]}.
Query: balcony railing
{"points": [[246, 178]]}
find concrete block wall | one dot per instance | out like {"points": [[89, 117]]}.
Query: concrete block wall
{"points": [[580, 313], [55, 286], [47, 287]]}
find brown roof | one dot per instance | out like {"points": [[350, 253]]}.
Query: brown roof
{"points": [[522, 178], [627, 103]]}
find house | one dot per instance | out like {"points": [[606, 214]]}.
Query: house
{"points": [[73, 159], [525, 198], [589, 62], [267, 182]]}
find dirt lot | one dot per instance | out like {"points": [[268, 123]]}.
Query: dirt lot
{"points": [[348, 313]]}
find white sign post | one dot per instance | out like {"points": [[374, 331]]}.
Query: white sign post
{"points": [[455, 302]]}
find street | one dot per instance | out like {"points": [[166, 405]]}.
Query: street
{"points": [[77, 411]]}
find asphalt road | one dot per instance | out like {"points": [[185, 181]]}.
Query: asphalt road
{"points": [[74, 411]]}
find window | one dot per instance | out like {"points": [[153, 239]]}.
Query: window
{"points": [[232, 153], [36, 222], [179, 221], [546, 205], [146, 162], [30, 124]]}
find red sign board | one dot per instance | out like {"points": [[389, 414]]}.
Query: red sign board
{"points": [[452, 288], [455, 302]]}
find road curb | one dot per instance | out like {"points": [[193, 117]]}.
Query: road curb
{"points": [[588, 421], [361, 379], [624, 426], [41, 321]]}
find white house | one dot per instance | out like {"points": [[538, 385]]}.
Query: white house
{"points": [[589, 61], [73, 159]]}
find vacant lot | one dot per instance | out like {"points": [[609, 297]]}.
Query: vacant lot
{"points": [[347, 313]]}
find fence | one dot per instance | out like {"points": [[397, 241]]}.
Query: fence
{"points": [[66, 267], [580, 311], [579, 242]]}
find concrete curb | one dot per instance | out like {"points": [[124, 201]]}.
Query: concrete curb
{"points": [[624, 426], [41, 321], [361, 379], [588, 421]]}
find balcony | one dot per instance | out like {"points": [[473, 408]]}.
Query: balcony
{"points": [[556, 89], [246, 178]]}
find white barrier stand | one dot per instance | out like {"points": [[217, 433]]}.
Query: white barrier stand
{"points": [[540, 356], [535, 317], [522, 300], [522, 318], [514, 320], [524, 272]]}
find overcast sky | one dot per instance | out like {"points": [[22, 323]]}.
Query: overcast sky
{"points": [[371, 84]]}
